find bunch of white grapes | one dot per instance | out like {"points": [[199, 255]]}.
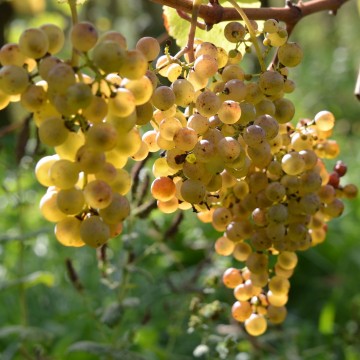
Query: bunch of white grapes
{"points": [[227, 147]]}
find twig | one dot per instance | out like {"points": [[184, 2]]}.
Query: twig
{"points": [[213, 13], [357, 86]]}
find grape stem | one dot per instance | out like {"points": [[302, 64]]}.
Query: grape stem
{"points": [[75, 20], [251, 33], [214, 13], [192, 31]]}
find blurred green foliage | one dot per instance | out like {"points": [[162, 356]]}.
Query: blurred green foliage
{"points": [[155, 293]]}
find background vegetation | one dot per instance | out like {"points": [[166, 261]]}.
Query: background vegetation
{"points": [[155, 292]]}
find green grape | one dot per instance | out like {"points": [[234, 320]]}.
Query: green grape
{"points": [[163, 98], [67, 232], [232, 278], [285, 110], [229, 112], [83, 36], [324, 120], [13, 79], [96, 111], [64, 174], [269, 125], [52, 131], [290, 54], [102, 137], [33, 98], [277, 213], [279, 285], [265, 107], [149, 46], [98, 194], [55, 37], [248, 113], [34, 43], [257, 262], [122, 182], [142, 89], [168, 207], [229, 148], [243, 292], [70, 201], [271, 82], [184, 92], [239, 230], [289, 86], [107, 173], [242, 251], [49, 208], [108, 56], [208, 103], [241, 310], [149, 137], [114, 36], [310, 158], [206, 48], [260, 279], [144, 113], [174, 71], [253, 93], [221, 218], [277, 38], [142, 153], [134, 66], [161, 168], [232, 72], [185, 138], [198, 123], [235, 90], [292, 184], [130, 143], [42, 169], [79, 96], [287, 260], [60, 77], [10, 54], [224, 246], [94, 231], [277, 300], [254, 135], [271, 26], [292, 163], [205, 66], [117, 211], [260, 154], [301, 141], [46, 64], [276, 232], [193, 191], [234, 32], [197, 81], [275, 191], [123, 103], [163, 188], [234, 57], [89, 160], [333, 209], [196, 170], [204, 150], [276, 314]]}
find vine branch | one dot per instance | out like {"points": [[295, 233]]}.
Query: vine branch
{"points": [[214, 13]]}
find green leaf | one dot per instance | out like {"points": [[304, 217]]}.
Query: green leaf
{"points": [[94, 348], [32, 334], [326, 321], [179, 28], [112, 314], [35, 278]]}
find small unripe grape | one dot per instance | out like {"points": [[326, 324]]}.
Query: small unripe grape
{"points": [[83, 36], [234, 32], [55, 36], [98, 194], [149, 46], [67, 232], [34, 43], [94, 231], [271, 26], [163, 188], [290, 54]]}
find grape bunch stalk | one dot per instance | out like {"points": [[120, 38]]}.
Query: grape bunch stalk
{"points": [[227, 147]]}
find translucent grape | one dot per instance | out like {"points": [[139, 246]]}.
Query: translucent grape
{"points": [[34, 43], [241, 310], [163, 188], [149, 46], [232, 278], [94, 231], [13, 79], [55, 37], [67, 232], [98, 194]]}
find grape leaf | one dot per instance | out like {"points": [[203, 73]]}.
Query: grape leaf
{"points": [[178, 28]]}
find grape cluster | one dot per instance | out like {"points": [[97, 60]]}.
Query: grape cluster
{"points": [[228, 149]]}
